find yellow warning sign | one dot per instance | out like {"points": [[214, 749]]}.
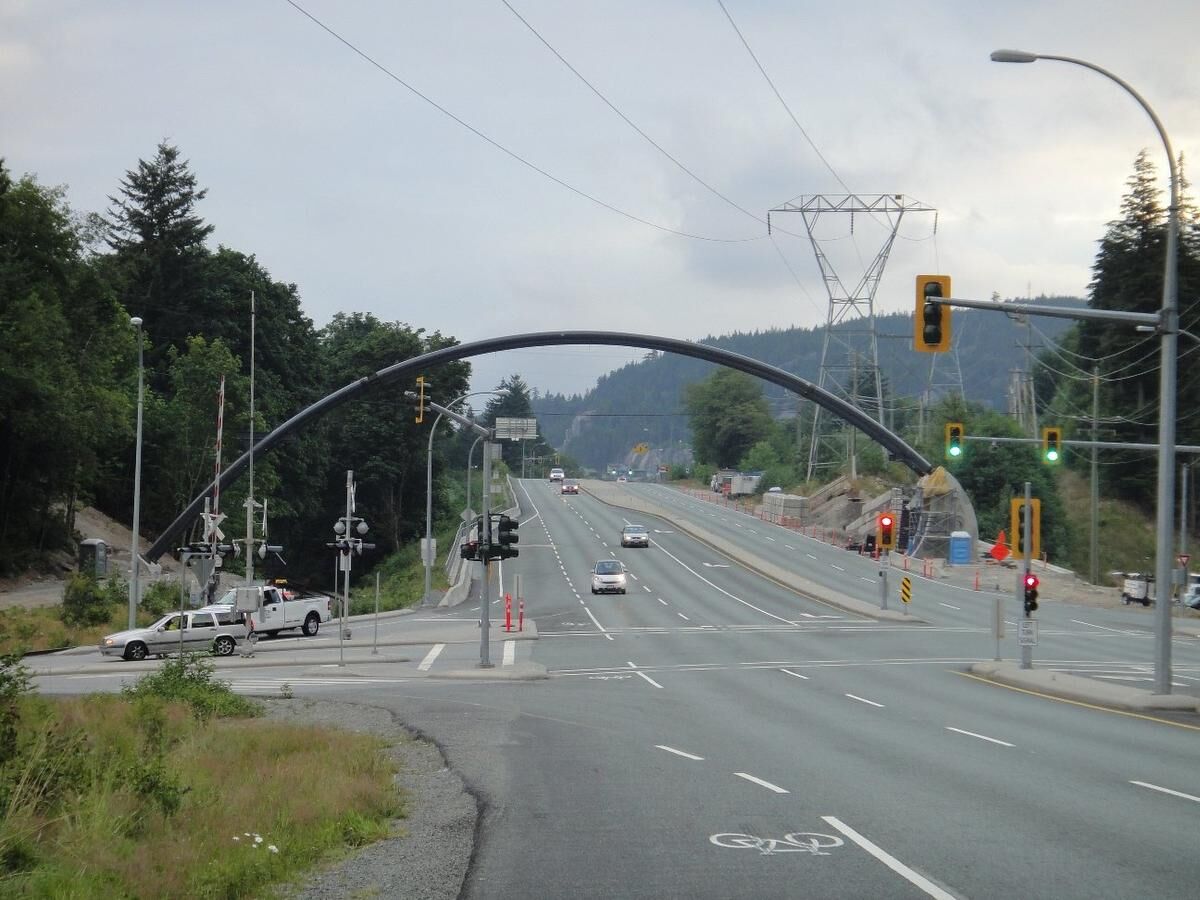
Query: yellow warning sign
{"points": [[906, 589]]}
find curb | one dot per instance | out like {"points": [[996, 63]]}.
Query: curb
{"points": [[1083, 690], [524, 671]]}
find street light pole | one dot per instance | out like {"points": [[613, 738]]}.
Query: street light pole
{"points": [[134, 560], [427, 553], [1168, 328], [470, 456]]}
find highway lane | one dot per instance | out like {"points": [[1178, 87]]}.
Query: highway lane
{"points": [[658, 740]]}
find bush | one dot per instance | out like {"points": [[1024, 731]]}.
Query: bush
{"points": [[189, 679], [86, 602], [160, 598]]}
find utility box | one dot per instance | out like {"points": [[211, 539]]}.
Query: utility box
{"points": [[93, 558], [248, 599], [960, 548]]}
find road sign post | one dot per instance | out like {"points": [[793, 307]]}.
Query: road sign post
{"points": [[1027, 544], [883, 582]]}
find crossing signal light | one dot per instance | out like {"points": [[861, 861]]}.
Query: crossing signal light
{"points": [[931, 321], [421, 384], [1017, 514], [885, 530], [954, 440], [1052, 444], [1031, 593], [506, 537]]}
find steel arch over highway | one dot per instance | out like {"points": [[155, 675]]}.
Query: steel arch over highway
{"points": [[852, 415]]}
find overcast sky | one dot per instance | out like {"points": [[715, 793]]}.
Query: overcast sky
{"points": [[343, 181]]}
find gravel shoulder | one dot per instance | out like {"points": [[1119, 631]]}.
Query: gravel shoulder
{"points": [[429, 855]]}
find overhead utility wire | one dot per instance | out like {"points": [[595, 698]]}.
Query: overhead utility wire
{"points": [[624, 118], [503, 149], [782, 102]]}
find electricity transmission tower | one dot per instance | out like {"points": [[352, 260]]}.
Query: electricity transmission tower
{"points": [[850, 350]]}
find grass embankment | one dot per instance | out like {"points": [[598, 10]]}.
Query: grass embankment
{"points": [[1127, 539], [174, 789]]}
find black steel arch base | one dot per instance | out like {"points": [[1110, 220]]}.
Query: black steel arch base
{"points": [[852, 415]]}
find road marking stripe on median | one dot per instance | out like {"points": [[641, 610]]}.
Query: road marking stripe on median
{"points": [[1155, 787], [603, 630], [772, 787], [645, 676], [794, 674], [948, 606], [682, 753], [890, 861], [510, 653], [865, 700], [430, 657], [982, 737]]}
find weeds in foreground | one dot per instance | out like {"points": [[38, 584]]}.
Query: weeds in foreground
{"points": [[158, 793]]}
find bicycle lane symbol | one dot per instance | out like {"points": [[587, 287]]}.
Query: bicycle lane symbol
{"points": [[794, 842]]}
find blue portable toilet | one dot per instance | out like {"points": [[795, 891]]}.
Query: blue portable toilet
{"points": [[960, 548]]}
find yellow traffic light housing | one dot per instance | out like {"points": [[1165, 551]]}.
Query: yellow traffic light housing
{"points": [[1017, 524], [931, 320], [1052, 445], [420, 399], [954, 440]]}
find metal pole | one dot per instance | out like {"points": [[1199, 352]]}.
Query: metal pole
{"points": [[184, 558], [426, 555], [485, 544], [135, 556], [347, 557], [1183, 506], [1026, 649], [250, 489], [470, 456], [1094, 566], [883, 581], [375, 645], [1168, 327]]}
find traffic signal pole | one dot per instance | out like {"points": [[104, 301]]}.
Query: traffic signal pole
{"points": [[1027, 543], [485, 547]]}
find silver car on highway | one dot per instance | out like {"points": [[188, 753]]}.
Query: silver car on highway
{"points": [[608, 577], [198, 630]]}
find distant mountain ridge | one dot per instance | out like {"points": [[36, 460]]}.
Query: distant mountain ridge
{"points": [[642, 402]]}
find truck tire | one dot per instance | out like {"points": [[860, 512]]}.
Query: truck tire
{"points": [[1125, 599], [1146, 602], [312, 624]]}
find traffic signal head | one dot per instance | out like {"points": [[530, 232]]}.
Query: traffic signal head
{"points": [[931, 319], [1017, 514], [421, 385], [886, 529], [1031, 592], [1051, 444], [954, 440], [505, 538]]}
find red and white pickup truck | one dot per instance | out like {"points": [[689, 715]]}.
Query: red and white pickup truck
{"points": [[273, 609]]}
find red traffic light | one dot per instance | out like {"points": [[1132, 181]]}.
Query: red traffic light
{"points": [[885, 521], [1031, 582]]}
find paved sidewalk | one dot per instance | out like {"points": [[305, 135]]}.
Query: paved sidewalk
{"points": [[1083, 690]]}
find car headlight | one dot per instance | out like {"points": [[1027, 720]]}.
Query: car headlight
{"points": [[108, 642]]}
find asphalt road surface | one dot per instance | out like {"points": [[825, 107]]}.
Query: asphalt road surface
{"points": [[713, 734]]}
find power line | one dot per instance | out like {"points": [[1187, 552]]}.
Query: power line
{"points": [[782, 102], [512, 154]]}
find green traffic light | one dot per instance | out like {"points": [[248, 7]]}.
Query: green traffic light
{"points": [[956, 450], [1052, 455]]}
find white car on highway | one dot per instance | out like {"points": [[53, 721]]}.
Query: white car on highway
{"points": [[557, 474], [608, 577]]}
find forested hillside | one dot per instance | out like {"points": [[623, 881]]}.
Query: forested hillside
{"points": [[643, 401]]}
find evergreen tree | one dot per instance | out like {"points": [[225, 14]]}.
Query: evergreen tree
{"points": [[158, 241]]}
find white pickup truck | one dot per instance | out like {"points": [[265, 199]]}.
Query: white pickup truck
{"points": [[273, 609]]}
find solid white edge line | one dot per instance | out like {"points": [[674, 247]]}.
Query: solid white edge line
{"points": [[982, 737], [1163, 790], [948, 606], [603, 630], [688, 568], [510, 653], [772, 787], [794, 674], [424, 664], [865, 700], [890, 861], [682, 753]]}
